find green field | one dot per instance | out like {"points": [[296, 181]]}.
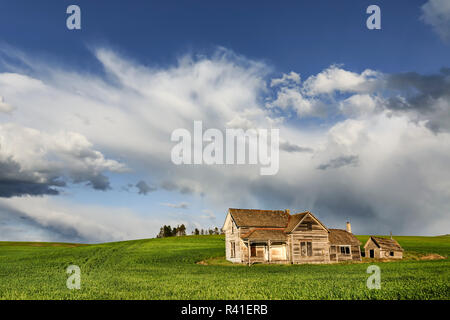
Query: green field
{"points": [[167, 269]]}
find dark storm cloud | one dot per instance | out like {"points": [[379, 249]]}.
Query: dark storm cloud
{"points": [[15, 182], [428, 96], [18, 226], [339, 162], [431, 86], [144, 188], [290, 147], [99, 182], [13, 188]]}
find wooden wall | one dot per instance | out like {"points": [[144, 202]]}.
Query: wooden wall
{"points": [[385, 254], [232, 234], [337, 256], [319, 238]]}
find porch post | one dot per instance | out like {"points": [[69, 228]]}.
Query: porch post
{"points": [[292, 248], [268, 254], [248, 244]]}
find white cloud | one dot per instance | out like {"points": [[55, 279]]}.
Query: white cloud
{"points": [[181, 205], [437, 14], [336, 79], [292, 98], [286, 79], [4, 107], [359, 105], [43, 158], [400, 175]]}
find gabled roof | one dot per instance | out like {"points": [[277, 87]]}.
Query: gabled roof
{"points": [[388, 244], [259, 218], [274, 234], [297, 218], [294, 221], [342, 237]]}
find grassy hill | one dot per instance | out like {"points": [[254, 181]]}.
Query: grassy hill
{"points": [[167, 269]]}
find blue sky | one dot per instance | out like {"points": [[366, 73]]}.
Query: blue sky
{"points": [[228, 42], [297, 35]]}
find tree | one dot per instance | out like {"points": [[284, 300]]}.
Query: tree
{"points": [[196, 231], [167, 231], [181, 230]]}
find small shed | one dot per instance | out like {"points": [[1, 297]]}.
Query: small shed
{"points": [[383, 248]]}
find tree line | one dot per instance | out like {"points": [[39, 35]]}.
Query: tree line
{"points": [[180, 230]]}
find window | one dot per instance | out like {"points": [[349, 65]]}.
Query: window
{"points": [[233, 249], [309, 226], [232, 227], [391, 253], [345, 250], [306, 248]]}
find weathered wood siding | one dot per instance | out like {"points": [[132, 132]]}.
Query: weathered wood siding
{"points": [[370, 245], [232, 234], [337, 256], [318, 236], [278, 252], [385, 254]]}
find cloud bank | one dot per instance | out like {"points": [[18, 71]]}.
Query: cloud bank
{"points": [[382, 161]]}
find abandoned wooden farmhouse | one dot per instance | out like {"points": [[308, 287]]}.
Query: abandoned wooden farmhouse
{"points": [[382, 248], [276, 236]]}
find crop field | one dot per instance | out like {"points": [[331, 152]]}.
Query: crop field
{"points": [[169, 269]]}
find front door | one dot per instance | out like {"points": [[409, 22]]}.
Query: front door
{"points": [[371, 252]]}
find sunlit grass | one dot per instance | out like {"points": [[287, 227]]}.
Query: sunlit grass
{"points": [[168, 269]]}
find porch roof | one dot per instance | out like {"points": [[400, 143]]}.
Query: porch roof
{"points": [[265, 234]]}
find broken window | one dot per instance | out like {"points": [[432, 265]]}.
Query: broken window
{"points": [[345, 250], [233, 249], [306, 248]]}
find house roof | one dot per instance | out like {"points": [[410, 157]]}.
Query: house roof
{"points": [[294, 220], [389, 244], [259, 218], [342, 237], [274, 234]]}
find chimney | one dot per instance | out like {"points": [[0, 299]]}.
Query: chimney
{"points": [[287, 211], [349, 227], [391, 235]]}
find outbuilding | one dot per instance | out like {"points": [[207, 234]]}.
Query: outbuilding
{"points": [[383, 248]]}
